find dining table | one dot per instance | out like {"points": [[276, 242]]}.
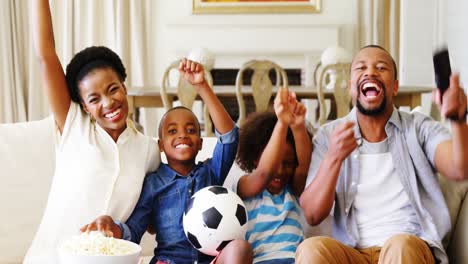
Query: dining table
{"points": [[408, 95]]}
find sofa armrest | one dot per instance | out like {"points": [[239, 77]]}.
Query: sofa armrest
{"points": [[456, 241], [27, 162], [459, 243]]}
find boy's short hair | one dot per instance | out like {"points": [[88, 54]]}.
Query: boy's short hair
{"points": [[254, 135], [176, 108]]}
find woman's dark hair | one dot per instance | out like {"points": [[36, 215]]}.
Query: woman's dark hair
{"points": [[255, 133], [88, 60]]}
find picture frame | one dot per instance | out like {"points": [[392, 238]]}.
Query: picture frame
{"points": [[255, 6]]}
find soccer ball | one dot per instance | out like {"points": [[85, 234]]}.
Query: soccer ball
{"points": [[214, 217]]}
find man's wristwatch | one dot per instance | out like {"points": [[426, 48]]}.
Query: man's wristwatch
{"points": [[458, 119]]}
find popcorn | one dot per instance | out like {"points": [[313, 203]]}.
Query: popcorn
{"points": [[96, 244]]}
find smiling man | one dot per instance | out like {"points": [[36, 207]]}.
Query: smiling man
{"points": [[375, 172]]}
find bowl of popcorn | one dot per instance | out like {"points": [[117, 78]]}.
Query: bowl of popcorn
{"points": [[95, 248]]}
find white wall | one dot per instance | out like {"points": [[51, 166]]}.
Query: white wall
{"points": [[235, 38], [291, 40], [417, 39], [428, 24], [457, 36]]}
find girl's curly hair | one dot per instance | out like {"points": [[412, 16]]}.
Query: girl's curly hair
{"points": [[255, 133], [87, 60]]}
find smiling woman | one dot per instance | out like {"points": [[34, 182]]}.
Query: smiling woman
{"points": [[100, 156], [256, 6]]}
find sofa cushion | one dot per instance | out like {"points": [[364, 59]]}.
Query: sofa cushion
{"points": [[454, 193], [27, 163]]}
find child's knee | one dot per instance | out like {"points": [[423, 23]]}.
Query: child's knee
{"points": [[241, 246], [237, 251]]}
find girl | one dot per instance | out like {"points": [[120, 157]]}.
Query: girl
{"points": [[101, 159], [276, 152]]}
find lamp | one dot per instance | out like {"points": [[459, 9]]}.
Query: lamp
{"points": [[331, 55], [203, 56], [335, 54], [200, 55], [334, 74]]}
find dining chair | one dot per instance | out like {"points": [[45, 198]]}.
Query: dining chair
{"points": [[261, 84], [186, 94], [334, 77]]}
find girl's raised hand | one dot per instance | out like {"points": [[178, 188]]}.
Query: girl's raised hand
{"points": [[299, 113], [192, 72], [284, 105]]}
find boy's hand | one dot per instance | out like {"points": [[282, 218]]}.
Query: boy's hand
{"points": [[453, 102], [192, 72], [284, 104], [104, 224]]}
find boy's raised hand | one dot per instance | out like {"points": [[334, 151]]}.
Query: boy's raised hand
{"points": [[192, 72], [104, 224], [284, 105]]}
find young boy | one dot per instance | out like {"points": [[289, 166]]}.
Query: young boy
{"points": [[167, 191], [275, 150]]}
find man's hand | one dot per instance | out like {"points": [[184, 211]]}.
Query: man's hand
{"points": [[284, 104], [342, 141], [192, 72], [453, 102], [104, 224]]}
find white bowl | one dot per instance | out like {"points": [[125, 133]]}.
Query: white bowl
{"points": [[132, 258]]}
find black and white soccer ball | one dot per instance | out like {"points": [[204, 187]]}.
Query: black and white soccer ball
{"points": [[214, 217]]}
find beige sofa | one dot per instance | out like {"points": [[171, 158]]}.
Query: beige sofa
{"points": [[27, 164]]}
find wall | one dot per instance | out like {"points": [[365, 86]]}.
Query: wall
{"points": [[428, 24], [235, 38], [457, 36], [417, 38], [291, 40]]}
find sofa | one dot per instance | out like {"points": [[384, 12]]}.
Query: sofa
{"points": [[27, 165]]}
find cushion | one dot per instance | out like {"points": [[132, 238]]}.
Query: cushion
{"points": [[454, 193], [27, 162]]}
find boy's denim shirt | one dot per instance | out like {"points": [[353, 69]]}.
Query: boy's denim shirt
{"points": [[165, 195]]}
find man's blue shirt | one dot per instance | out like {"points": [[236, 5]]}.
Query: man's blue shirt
{"points": [[412, 139], [165, 195]]}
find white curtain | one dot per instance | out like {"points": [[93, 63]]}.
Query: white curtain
{"points": [[124, 26], [20, 95], [379, 23]]}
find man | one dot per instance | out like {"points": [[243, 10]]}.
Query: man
{"points": [[376, 169]]}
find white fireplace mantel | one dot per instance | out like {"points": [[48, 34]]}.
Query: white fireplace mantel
{"points": [[290, 45]]}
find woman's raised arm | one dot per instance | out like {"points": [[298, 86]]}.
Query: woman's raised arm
{"points": [[53, 78]]}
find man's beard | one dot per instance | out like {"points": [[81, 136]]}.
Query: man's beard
{"points": [[372, 112]]}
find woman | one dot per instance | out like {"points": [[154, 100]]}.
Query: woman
{"points": [[101, 159]]}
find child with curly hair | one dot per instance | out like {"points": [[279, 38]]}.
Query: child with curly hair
{"points": [[275, 150]]}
